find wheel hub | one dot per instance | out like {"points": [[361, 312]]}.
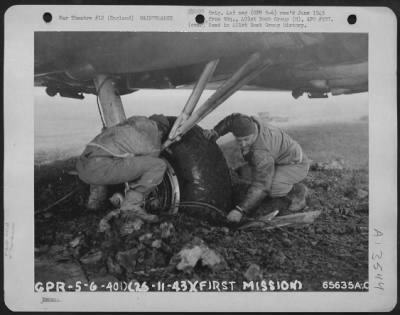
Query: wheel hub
{"points": [[166, 196]]}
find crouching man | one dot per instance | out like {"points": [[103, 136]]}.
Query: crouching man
{"points": [[126, 153], [277, 162]]}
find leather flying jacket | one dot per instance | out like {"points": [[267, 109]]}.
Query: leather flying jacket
{"points": [[272, 146]]}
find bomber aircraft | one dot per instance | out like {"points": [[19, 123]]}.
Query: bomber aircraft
{"points": [[112, 64]]}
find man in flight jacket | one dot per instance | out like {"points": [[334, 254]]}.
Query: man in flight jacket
{"points": [[277, 162], [126, 153]]}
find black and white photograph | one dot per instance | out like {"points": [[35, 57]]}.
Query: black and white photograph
{"points": [[234, 161], [198, 161]]}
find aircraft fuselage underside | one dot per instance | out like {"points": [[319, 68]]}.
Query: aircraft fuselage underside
{"points": [[312, 63]]}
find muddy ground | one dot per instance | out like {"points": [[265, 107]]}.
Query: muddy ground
{"points": [[69, 247]]}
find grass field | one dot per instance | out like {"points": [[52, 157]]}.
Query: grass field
{"points": [[323, 143]]}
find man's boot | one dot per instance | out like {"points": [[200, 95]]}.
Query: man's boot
{"points": [[133, 206], [97, 198], [297, 196]]}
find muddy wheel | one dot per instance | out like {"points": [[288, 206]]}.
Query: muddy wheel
{"points": [[202, 173], [203, 177]]}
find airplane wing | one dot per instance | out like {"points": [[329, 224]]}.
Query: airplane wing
{"points": [[312, 63]]}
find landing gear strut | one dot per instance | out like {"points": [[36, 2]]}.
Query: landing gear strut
{"points": [[110, 100], [167, 195], [255, 64], [111, 112]]}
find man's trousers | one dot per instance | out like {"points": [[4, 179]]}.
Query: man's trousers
{"points": [[142, 172]]}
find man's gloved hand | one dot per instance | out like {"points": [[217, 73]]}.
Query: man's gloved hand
{"points": [[210, 134], [234, 216]]}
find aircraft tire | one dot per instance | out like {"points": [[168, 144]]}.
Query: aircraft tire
{"points": [[202, 173]]}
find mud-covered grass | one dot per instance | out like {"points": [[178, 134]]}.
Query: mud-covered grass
{"points": [[334, 248]]}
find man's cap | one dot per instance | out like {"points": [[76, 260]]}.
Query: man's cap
{"points": [[243, 126], [161, 120]]}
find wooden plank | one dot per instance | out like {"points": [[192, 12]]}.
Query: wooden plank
{"points": [[268, 223]]}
